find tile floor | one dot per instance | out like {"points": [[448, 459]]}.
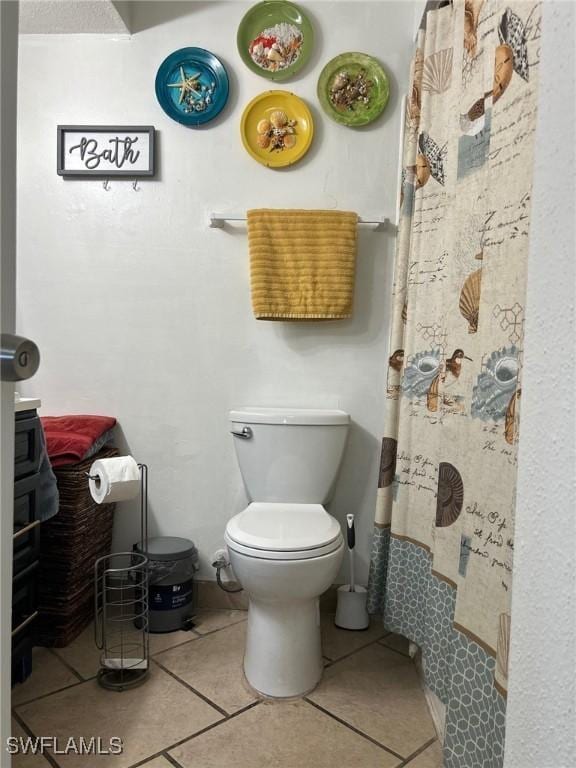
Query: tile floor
{"points": [[197, 711]]}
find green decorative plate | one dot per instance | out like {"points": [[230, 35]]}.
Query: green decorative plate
{"points": [[353, 89], [275, 39]]}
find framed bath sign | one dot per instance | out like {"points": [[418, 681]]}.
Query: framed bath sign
{"points": [[106, 150]]}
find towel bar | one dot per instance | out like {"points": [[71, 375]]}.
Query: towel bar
{"points": [[217, 221]]}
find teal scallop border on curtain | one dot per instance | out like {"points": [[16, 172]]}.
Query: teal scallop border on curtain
{"points": [[417, 604], [378, 570]]}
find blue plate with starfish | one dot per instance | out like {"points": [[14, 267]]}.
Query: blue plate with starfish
{"points": [[192, 86]]}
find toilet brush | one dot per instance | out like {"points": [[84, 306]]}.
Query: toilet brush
{"points": [[351, 608]]}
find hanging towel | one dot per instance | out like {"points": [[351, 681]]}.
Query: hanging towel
{"points": [[302, 264]]}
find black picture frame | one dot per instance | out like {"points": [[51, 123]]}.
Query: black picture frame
{"points": [[63, 130]]}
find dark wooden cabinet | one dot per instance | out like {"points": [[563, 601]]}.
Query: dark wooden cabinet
{"points": [[26, 444], [26, 541]]}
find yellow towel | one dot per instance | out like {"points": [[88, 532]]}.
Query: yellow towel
{"points": [[302, 264]]}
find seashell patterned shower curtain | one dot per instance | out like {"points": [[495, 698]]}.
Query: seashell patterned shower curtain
{"points": [[444, 531]]}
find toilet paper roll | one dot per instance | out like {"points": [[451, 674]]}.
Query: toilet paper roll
{"points": [[115, 479]]}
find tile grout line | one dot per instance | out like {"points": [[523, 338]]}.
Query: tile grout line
{"points": [[225, 715], [380, 641], [395, 650], [191, 736], [50, 693], [215, 725], [171, 760], [354, 729], [219, 629], [419, 751], [204, 698], [144, 761], [29, 732], [199, 636], [178, 645], [347, 655], [67, 665], [81, 679]]}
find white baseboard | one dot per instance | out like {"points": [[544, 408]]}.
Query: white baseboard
{"points": [[436, 707], [437, 712]]}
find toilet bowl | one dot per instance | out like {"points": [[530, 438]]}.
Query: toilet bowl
{"points": [[285, 556], [286, 552]]}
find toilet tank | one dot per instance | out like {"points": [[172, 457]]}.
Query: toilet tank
{"points": [[289, 454]]}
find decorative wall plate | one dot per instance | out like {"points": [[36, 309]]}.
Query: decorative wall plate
{"points": [[277, 128], [275, 39], [192, 86], [353, 89]]}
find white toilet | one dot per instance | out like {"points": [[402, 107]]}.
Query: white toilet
{"points": [[284, 547]]}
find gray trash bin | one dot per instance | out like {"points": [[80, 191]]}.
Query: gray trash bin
{"points": [[173, 562]]}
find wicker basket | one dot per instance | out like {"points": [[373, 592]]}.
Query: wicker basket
{"points": [[71, 542]]}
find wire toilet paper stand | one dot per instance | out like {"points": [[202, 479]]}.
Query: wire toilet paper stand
{"points": [[121, 609]]}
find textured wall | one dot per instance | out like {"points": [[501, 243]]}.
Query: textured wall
{"points": [[541, 720], [84, 16], [142, 312]]}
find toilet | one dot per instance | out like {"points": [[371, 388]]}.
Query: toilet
{"points": [[285, 548]]}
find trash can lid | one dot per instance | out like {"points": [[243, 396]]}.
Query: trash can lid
{"points": [[168, 548]]}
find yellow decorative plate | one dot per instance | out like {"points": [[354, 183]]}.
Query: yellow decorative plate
{"points": [[277, 128]]}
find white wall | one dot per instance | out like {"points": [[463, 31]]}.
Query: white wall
{"points": [[541, 719], [142, 312], [419, 9]]}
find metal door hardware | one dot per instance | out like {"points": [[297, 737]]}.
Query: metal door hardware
{"points": [[19, 358]]}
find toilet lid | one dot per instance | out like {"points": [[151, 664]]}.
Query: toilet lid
{"points": [[283, 527]]}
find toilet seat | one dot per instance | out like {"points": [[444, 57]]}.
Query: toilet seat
{"points": [[281, 531]]}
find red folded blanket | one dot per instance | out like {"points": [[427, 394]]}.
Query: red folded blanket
{"points": [[70, 438]]}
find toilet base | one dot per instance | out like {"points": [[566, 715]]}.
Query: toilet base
{"points": [[283, 656]]}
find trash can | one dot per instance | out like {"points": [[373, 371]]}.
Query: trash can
{"points": [[171, 594]]}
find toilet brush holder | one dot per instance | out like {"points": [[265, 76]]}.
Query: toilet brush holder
{"points": [[351, 610]]}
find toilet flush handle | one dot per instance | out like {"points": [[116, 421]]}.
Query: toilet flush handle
{"points": [[245, 433]]}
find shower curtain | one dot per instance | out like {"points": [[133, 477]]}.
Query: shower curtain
{"points": [[444, 531]]}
